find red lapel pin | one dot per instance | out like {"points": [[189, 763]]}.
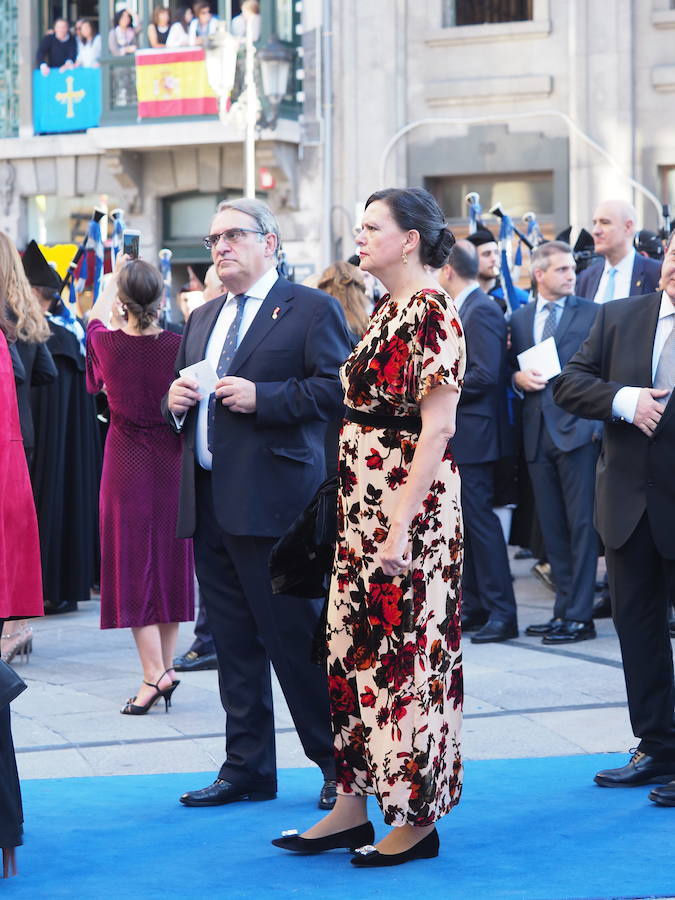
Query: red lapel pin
{"points": [[277, 310]]}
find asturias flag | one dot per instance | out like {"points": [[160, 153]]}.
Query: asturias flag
{"points": [[173, 83], [66, 101]]}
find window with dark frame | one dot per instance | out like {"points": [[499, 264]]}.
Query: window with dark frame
{"points": [[483, 12]]}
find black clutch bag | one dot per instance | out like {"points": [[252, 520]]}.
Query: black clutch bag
{"points": [[11, 685], [302, 558]]}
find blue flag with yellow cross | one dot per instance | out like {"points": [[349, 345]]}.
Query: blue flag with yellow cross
{"points": [[66, 101]]}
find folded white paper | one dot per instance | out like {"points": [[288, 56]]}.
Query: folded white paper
{"points": [[543, 357], [204, 374]]}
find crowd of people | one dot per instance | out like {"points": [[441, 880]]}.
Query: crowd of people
{"points": [[440, 406], [62, 48]]}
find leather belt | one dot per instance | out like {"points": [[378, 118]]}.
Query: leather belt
{"points": [[375, 420]]}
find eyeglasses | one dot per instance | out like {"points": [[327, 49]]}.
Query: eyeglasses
{"points": [[231, 236]]}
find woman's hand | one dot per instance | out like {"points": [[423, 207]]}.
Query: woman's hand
{"points": [[120, 263], [396, 552]]}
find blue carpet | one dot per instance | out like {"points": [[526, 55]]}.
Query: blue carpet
{"points": [[531, 829]]}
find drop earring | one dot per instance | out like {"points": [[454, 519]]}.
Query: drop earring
{"points": [[404, 258]]}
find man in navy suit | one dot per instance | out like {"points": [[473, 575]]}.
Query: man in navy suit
{"points": [[623, 273], [253, 456], [488, 602], [561, 449]]}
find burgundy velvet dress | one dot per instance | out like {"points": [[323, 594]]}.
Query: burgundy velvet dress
{"points": [[146, 571]]}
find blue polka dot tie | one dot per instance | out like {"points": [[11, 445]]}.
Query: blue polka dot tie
{"points": [[226, 356], [551, 320]]}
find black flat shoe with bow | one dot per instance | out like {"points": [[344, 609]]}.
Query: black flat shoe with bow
{"points": [[369, 857], [341, 840]]}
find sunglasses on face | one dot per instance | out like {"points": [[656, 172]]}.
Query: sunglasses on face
{"points": [[231, 236]]}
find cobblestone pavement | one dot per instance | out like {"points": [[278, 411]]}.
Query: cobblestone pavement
{"points": [[522, 700]]}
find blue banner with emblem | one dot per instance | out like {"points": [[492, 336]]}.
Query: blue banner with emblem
{"points": [[66, 101]]}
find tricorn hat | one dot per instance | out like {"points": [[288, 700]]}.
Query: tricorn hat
{"points": [[481, 236], [38, 271]]}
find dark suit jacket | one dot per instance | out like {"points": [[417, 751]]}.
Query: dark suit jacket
{"points": [[634, 473], [566, 431], [482, 402], [644, 279], [267, 465], [38, 369]]}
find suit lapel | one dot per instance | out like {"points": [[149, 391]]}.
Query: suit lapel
{"points": [[594, 280], [637, 276], [569, 311], [273, 308]]}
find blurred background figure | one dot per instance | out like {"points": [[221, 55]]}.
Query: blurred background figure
{"points": [[250, 13], [20, 580], [346, 283], [147, 577], [122, 39], [88, 46], [178, 33], [34, 367], [66, 465], [57, 50], [159, 28], [202, 25]]}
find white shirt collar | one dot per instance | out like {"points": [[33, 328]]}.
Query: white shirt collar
{"points": [[261, 288], [542, 301], [667, 307], [624, 265], [464, 293]]}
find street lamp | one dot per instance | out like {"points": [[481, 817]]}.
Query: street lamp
{"points": [[275, 63], [275, 68]]}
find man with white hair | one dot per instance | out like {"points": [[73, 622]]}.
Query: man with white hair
{"points": [[624, 273]]}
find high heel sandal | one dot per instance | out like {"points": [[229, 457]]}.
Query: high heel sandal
{"points": [[23, 646], [135, 709]]}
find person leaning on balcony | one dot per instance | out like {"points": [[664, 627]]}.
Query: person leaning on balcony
{"points": [[203, 24], [88, 46], [122, 39], [178, 33], [57, 50], [159, 28]]}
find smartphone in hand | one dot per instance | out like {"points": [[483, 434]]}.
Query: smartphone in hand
{"points": [[130, 242]]}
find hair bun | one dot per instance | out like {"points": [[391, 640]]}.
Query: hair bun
{"points": [[441, 250]]}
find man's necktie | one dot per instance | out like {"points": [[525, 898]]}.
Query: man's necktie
{"points": [[664, 379], [226, 357], [551, 322], [609, 287]]}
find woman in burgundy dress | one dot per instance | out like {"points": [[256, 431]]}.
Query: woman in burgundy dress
{"points": [[20, 579], [147, 581]]}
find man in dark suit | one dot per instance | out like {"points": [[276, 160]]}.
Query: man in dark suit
{"points": [[253, 456], [488, 602], [560, 449], [624, 374], [623, 273]]}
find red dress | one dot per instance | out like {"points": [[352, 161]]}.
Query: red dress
{"points": [[20, 570], [147, 574]]}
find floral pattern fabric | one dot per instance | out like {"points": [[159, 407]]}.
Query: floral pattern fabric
{"points": [[394, 663]]}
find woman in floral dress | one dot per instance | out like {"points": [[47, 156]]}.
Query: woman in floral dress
{"points": [[394, 665]]}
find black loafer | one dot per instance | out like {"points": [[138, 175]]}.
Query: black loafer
{"points": [[664, 795], [602, 608], [570, 633], [473, 621], [544, 628], [369, 857], [221, 792], [493, 632], [328, 795], [193, 662], [641, 769], [342, 840]]}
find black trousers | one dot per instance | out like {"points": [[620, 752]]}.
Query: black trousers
{"points": [[486, 582], [11, 812], [564, 491], [640, 581], [251, 627], [203, 642]]}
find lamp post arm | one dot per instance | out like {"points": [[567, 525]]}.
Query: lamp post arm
{"points": [[549, 113]]}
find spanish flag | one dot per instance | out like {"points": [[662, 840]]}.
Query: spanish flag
{"points": [[173, 83]]}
